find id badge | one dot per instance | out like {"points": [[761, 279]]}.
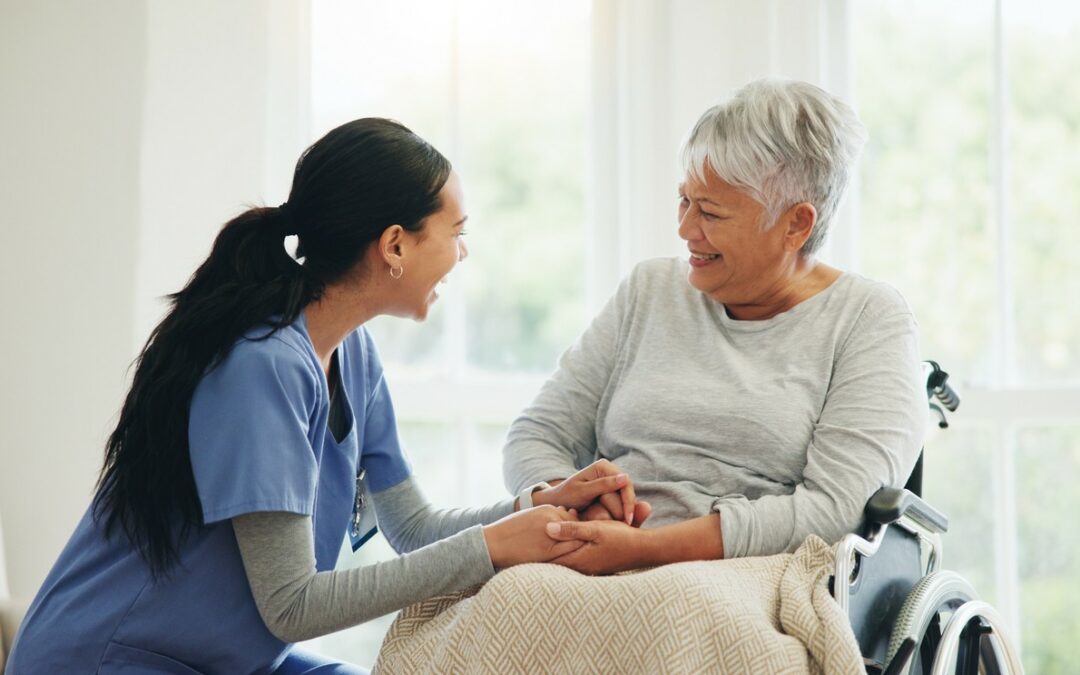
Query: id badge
{"points": [[363, 525]]}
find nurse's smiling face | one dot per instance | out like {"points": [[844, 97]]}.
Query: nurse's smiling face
{"points": [[428, 256]]}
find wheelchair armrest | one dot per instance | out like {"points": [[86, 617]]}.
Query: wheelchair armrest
{"points": [[889, 505]]}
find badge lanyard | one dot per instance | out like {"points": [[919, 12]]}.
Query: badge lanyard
{"points": [[363, 525]]}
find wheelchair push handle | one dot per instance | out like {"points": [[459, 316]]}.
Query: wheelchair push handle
{"points": [[938, 390], [948, 397], [937, 386]]}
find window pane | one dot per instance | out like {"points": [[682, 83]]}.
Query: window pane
{"points": [[1043, 51], [434, 450], [923, 83], [524, 89], [957, 468], [1047, 467], [501, 88], [387, 60], [487, 467]]}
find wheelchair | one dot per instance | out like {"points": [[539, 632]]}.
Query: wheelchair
{"points": [[908, 615]]}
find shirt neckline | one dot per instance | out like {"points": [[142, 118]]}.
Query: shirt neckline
{"points": [[342, 390], [755, 325]]}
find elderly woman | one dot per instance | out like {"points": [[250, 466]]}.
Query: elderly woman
{"points": [[754, 394]]}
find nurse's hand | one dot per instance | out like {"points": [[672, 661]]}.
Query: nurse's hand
{"points": [[599, 483], [522, 538]]}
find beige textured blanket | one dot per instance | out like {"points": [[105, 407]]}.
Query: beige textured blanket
{"points": [[751, 615]]}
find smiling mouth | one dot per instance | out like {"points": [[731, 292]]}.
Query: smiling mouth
{"points": [[704, 257], [434, 295]]}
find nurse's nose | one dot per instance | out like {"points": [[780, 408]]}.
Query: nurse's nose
{"points": [[463, 250]]}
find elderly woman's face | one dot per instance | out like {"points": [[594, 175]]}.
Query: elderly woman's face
{"points": [[731, 258]]}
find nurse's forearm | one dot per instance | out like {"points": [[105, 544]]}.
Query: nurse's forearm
{"points": [[409, 521], [297, 603], [695, 539]]}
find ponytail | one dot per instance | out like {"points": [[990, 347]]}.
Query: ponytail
{"points": [[348, 187], [147, 487]]}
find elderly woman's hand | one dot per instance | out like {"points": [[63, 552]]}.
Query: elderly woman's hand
{"points": [[609, 507], [600, 483], [609, 546]]}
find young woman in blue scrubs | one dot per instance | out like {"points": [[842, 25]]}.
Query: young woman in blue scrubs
{"points": [[257, 424]]}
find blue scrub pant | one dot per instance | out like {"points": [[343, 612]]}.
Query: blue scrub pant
{"points": [[303, 662]]}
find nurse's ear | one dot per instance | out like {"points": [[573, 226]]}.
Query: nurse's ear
{"points": [[392, 245]]}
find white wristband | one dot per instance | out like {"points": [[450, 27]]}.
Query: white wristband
{"points": [[525, 496]]}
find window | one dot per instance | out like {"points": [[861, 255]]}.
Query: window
{"points": [[501, 88], [967, 204]]}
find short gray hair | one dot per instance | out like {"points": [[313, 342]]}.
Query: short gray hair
{"points": [[782, 142]]}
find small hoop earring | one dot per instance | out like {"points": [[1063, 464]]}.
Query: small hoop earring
{"points": [[399, 270]]}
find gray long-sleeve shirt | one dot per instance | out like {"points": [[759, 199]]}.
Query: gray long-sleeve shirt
{"points": [[785, 426], [444, 552]]}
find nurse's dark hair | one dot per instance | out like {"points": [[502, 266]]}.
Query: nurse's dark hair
{"points": [[347, 188]]}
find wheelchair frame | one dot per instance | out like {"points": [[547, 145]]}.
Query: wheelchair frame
{"points": [[895, 595]]}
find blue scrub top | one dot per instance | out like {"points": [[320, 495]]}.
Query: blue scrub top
{"points": [[259, 441]]}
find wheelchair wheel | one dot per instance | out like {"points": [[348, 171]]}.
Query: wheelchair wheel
{"points": [[922, 617]]}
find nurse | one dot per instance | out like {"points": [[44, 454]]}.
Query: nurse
{"points": [[259, 431]]}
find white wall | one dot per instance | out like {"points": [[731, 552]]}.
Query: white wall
{"points": [[224, 122], [72, 87], [131, 131]]}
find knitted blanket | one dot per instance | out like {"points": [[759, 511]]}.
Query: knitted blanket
{"points": [[751, 615]]}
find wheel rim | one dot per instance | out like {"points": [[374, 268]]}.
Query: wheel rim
{"points": [[935, 593]]}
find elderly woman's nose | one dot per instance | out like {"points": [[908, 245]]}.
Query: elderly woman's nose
{"points": [[688, 226]]}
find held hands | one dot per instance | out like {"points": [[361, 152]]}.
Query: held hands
{"points": [[521, 537], [600, 492], [609, 507], [608, 546], [551, 531]]}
